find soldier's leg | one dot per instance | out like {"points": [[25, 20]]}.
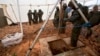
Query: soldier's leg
{"points": [[62, 27], [29, 22], [74, 36], [36, 21], [41, 19], [55, 23], [89, 33], [33, 20]]}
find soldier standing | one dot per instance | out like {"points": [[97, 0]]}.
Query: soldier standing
{"points": [[56, 18], [35, 14], [40, 14], [94, 19], [77, 21], [64, 16], [30, 17]]}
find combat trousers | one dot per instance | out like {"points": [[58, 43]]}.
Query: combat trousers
{"points": [[36, 20], [30, 21], [89, 32], [56, 22], [62, 27], [40, 19], [75, 35]]}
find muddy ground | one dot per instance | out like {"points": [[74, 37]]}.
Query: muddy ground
{"points": [[30, 32]]}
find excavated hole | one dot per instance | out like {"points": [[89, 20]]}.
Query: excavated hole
{"points": [[58, 46]]}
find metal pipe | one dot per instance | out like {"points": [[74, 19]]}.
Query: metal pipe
{"points": [[19, 16], [60, 16], [37, 37], [79, 10]]}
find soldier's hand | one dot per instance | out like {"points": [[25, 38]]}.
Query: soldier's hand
{"points": [[87, 24], [66, 19]]}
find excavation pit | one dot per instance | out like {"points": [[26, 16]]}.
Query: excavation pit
{"points": [[53, 46], [58, 46]]}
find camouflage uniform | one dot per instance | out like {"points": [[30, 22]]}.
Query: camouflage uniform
{"points": [[30, 17], [77, 21], [94, 19], [40, 13], [56, 18], [35, 14], [65, 15]]}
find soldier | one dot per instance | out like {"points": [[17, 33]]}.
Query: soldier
{"points": [[56, 18], [94, 19], [40, 14], [30, 16], [69, 11], [77, 21], [65, 15], [35, 14]]}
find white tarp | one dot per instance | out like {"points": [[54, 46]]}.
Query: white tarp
{"points": [[12, 39]]}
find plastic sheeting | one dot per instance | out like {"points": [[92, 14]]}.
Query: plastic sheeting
{"points": [[12, 39]]}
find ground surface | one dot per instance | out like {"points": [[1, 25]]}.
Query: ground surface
{"points": [[29, 35]]}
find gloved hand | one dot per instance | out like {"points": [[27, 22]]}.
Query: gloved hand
{"points": [[87, 24]]}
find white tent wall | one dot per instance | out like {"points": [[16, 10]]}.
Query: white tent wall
{"points": [[36, 4], [8, 10], [4, 6], [25, 6], [24, 11], [11, 13]]}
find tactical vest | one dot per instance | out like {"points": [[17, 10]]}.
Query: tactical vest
{"points": [[95, 18]]}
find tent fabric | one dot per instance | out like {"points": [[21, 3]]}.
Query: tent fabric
{"points": [[45, 5]]}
